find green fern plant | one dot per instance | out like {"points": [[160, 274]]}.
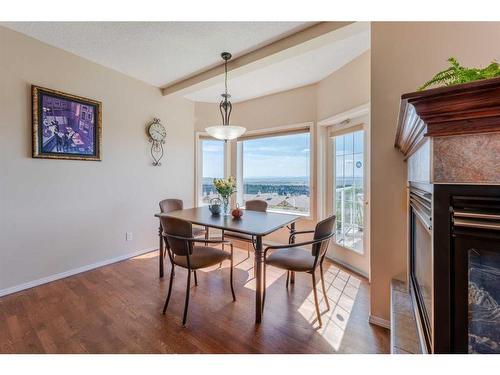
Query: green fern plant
{"points": [[457, 74]]}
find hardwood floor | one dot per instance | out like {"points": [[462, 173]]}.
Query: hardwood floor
{"points": [[117, 309]]}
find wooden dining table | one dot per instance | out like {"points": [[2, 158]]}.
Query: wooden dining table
{"points": [[256, 224]]}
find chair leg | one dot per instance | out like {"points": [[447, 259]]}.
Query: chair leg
{"points": [[316, 300], [323, 286], [184, 317], [231, 278], [169, 290], [287, 278], [264, 294], [195, 279]]}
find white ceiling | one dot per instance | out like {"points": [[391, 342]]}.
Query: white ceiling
{"points": [[158, 53], [298, 69]]}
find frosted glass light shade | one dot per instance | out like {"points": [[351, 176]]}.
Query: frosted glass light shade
{"points": [[225, 131]]}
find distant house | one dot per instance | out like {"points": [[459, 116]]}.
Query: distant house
{"points": [[300, 203]]}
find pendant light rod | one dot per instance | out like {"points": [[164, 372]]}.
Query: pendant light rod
{"points": [[225, 106]]}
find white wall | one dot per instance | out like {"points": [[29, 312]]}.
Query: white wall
{"points": [[58, 215]]}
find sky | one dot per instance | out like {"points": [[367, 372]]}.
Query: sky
{"points": [[283, 156]]}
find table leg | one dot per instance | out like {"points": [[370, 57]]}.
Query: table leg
{"points": [[292, 240], [259, 263], [161, 250]]}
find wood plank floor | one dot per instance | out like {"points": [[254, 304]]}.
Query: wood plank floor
{"points": [[117, 309]]}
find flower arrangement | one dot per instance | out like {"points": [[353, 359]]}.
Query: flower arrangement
{"points": [[225, 187]]}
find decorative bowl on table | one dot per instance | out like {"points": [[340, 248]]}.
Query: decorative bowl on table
{"points": [[215, 206]]}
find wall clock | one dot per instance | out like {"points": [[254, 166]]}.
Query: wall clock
{"points": [[157, 135]]}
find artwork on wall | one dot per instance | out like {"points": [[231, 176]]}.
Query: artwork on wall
{"points": [[65, 126]]}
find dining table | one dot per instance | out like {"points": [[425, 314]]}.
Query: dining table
{"points": [[253, 223]]}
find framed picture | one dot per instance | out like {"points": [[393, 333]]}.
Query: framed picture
{"points": [[65, 126]]}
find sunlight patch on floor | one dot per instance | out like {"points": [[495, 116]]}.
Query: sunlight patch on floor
{"points": [[152, 254], [341, 290]]}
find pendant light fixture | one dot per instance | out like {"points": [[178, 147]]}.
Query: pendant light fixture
{"points": [[225, 131]]}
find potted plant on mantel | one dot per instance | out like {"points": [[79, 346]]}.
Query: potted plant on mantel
{"points": [[457, 74], [225, 187]]}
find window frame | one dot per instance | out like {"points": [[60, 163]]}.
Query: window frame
{"points": [[198, 189], [332, 133], [307, 127]]}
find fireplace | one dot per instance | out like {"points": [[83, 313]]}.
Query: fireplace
{"points": [[466, 270], [450, 137]]}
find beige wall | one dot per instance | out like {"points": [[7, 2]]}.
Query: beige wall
{"points": [[405, 55], [58, 215], [345, 88]]}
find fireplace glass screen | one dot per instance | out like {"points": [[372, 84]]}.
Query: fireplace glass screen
{"points": [[484, 300]]}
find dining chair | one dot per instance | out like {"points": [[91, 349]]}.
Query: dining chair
{"points": [[294, 258], [169, 205], [183, 252]]}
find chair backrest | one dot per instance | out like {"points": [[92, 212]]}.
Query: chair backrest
{"points": [[179, 228], [324, 230], [256, 205], [169, 205]]}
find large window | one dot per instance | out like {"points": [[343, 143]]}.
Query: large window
{"points": [[277, 169], [349, 189], [212, 166]]}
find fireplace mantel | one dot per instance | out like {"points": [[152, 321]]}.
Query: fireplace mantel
{"points": [[460, 128], [470, 108]]}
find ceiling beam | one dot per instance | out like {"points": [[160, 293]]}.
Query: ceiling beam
{"points": [[244, 62]]}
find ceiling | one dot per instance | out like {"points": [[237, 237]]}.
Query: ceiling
{"points": [[162, 53], [158, 53], [302, 67]]}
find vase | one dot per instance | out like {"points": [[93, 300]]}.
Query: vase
{"points": [[225, 206]]}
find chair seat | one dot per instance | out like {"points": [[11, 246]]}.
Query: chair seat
{"points": [[291, 259], [202, 256], [198, 231], [239, 236]]}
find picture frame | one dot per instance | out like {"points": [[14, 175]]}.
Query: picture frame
{"points": [[65, 126]]}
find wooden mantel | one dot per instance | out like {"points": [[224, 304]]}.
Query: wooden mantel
{"points": [[468, 108]]}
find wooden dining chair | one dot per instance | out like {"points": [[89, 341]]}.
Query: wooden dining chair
{"points": [[294, 258], [183, 252]]}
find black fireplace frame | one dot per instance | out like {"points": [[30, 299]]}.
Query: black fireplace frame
{"points": [[448, 336]]}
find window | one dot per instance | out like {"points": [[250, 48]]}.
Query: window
{"points": [[349, 189], [212, 166], [276, 169]]}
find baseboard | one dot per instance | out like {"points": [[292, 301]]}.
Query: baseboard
{"points": [[348, 266], [379, 321], [75, 271]]}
